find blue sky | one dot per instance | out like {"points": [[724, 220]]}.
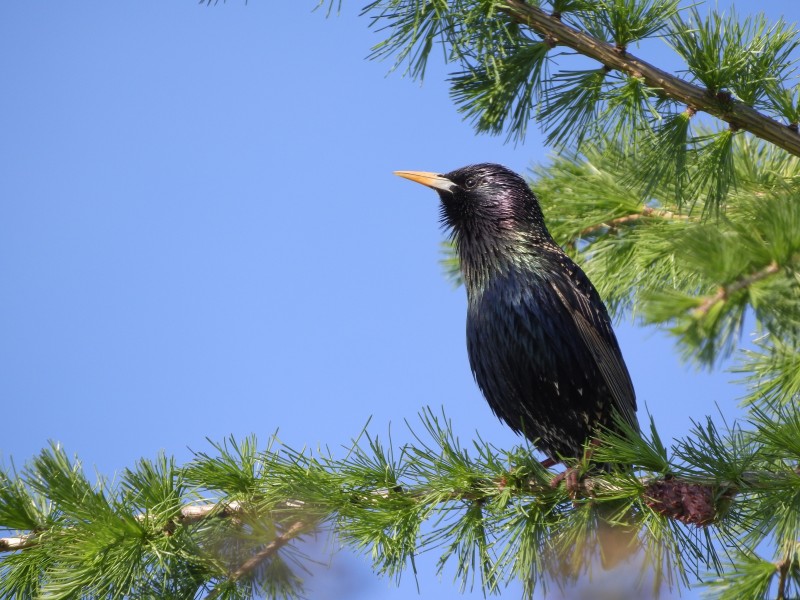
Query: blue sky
{"points": [[201, 236]]}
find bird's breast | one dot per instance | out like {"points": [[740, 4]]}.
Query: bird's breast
{"points": [[530, 363]]}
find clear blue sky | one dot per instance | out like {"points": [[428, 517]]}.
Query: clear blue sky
{"points": [[201, 236]]}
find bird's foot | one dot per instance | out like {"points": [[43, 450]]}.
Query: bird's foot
{"points": [[571, 479]]}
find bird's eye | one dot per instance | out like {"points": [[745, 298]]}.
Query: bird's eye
{"points": [[470, 182]]}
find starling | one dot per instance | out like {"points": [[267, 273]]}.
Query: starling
{"points": [[539, 338]]}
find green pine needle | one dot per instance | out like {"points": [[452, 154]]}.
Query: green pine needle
{"points": [[627, 21], [573, 97]]}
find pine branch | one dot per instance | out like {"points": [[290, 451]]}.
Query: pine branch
{"points": [[688, 500], [737, 114]]}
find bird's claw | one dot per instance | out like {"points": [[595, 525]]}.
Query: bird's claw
{"points": [[571, 479]]}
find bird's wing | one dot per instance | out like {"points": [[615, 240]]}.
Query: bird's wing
{"points": [[594, 326]]}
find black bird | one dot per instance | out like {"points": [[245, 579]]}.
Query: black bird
{"points": [[539, 338]]}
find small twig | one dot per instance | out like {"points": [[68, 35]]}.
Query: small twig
{"points": [[647, 211], [726, 291], [19, 542], [194, 513], [783, 573], [269, 550]]}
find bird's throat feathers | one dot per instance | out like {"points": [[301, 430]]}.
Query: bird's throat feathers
{"points": [[486, 257]]}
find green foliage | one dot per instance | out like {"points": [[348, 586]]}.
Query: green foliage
{"points": [[785, 102], [469, 29], [692, 229], [772, 372], [572, 97], [751, 578], [696, 231], [715, 174], [667, 153], [234, 471], [726, 53], [628, 107], [503, 86], [628, 447], [627, 21], [490, 514]]}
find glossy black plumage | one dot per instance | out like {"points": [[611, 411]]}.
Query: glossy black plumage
{"points": [[539, 338]]}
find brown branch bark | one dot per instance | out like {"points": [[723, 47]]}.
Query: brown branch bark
{"points": [[733, 112]]}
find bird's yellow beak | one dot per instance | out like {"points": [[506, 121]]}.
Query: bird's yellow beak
{"points": [[432, 180]]}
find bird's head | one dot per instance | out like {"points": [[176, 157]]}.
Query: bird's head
{"points": [[483, 202]]}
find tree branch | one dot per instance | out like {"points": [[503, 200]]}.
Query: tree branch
{"points": [[733, 112], [676, 498], [19, 542]]}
